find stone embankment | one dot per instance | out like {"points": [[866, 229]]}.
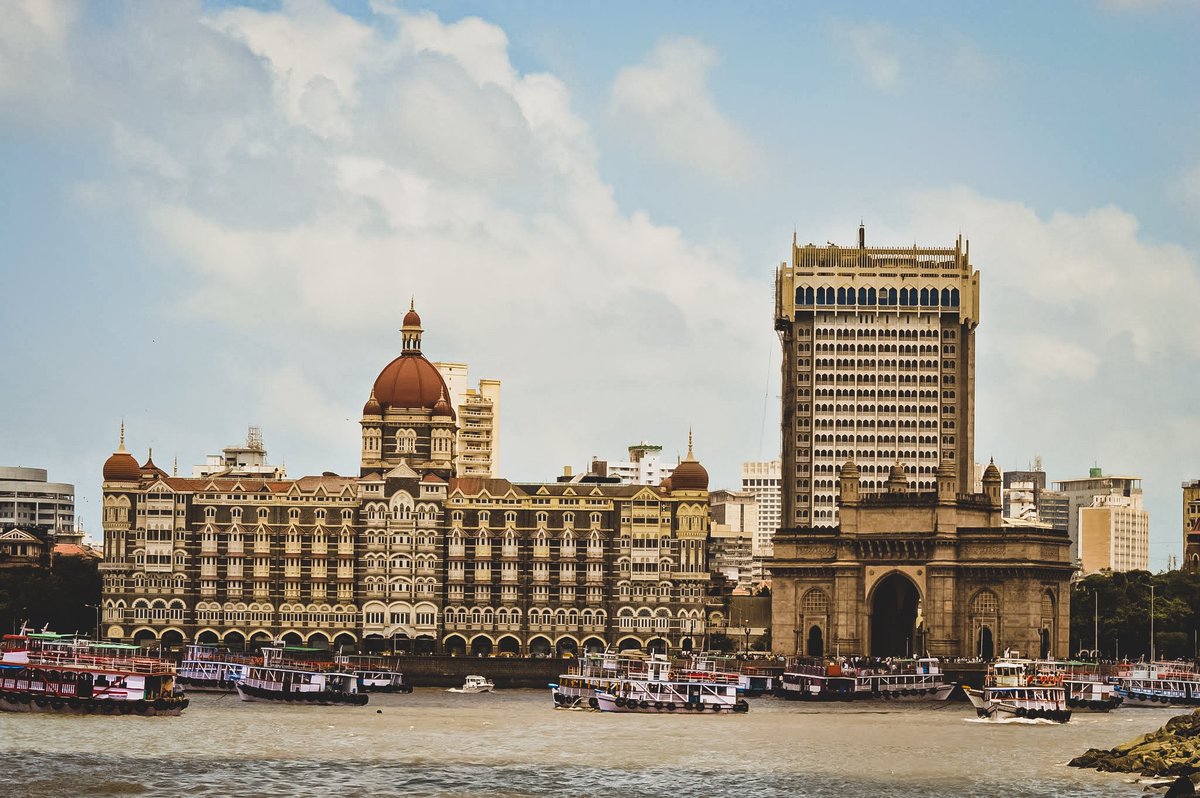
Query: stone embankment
{"points": [[1173, 750]]}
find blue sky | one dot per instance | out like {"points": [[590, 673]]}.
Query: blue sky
{"points": [[214, 216]]}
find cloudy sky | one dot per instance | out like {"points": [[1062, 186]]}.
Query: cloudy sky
{"points": [[214, 215]]}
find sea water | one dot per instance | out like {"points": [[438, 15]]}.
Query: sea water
{"points": [[513, 743]]}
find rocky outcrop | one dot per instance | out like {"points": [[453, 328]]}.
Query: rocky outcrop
{"points": [[1173, 750]]}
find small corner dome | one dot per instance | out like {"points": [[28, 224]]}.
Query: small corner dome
{"points": [[991, 473], [121, 467]]}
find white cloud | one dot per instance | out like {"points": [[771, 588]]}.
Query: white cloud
{"points": [[665, 101], [874, 47]]}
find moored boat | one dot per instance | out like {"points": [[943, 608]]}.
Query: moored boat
{"points": [[45, 672], [653, 689], [909, 680], [1158, 684], [375, 674], [1010, 693], [296, 682], [211, 668], [816, 681]]}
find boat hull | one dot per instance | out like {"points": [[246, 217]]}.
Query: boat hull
{"points": [[319, 698], [999, 710], [27, 702], [606, 702], [939, 692]]}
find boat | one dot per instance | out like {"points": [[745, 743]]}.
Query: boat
{"points": [[815, 680], [1158, 684], [283, 679], [1088, 685], [65, 674], [754, 677], [595, 670], [653, 689], [207, 667], [1012, 691], [374, 674], [474, 684], [908, 680]]}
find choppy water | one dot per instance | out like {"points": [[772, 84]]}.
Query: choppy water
{"points": [[512, 743]]}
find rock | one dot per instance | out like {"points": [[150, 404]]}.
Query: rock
{"points": [[1180, 787], [1173, 750]]}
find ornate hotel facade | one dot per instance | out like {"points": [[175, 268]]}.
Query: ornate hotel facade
{"points": [[408, 553], [884, 548]]}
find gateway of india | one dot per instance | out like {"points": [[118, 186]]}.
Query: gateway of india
{"points": [[886, 546]]}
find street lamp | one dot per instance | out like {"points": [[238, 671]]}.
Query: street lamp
{"points": [[746, 647], [95, 607]]}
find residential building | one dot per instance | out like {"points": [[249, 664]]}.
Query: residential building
{"points": [[1054, 508], [1114, 534], [763, 479], [731, 538], [408, 554], [1080, 493], [241, 460], [478, 416], [1021, 490], [644, 466], [878, 367]]}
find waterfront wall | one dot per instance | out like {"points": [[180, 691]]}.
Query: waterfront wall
{"points": [[441, 671]]}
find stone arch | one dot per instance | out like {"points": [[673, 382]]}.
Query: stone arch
{"points": [[208, 637], [540, 645], [292, 639], [628, 643], [454, 645], [984, 622], [814, 643], [235, 641], [144, 636], [593, 644], [566, 645], [1049, 625], [317, 640], [892, 605], [482, 645], [509, 645]]}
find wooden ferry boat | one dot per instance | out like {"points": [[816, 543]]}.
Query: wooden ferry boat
{"points": [[816, 681], [212, 668], [296, 682], [914, 680], [1089, 686], [1158, 684], [1011, 693], [45, 672], [651, 688]]}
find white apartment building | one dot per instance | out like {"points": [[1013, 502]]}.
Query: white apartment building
{"points": [[732, 535], [478, 412], [763, 479], [644, 466], [1081, 491], [1114, 534]]}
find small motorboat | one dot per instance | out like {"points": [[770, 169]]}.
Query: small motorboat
{"points": [[474, 684]]}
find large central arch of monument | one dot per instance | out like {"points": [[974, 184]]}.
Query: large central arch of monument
{"points": [[894, 617]]}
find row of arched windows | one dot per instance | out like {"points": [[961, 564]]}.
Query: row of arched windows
{"points": [[885, 297]]}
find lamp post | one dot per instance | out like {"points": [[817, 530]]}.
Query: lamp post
{"points": [[746, 647], [95, 607]]}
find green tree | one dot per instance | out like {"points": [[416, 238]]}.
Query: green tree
{"points": [[1123, 600], [57, 597]]}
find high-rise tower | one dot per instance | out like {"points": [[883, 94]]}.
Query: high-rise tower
{"points": [[878, 367]]}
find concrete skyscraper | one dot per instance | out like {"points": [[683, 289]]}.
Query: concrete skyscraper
{"points": [[878, 367]]}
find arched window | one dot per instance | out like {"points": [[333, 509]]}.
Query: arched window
{"points": [[808, 296], [815, 602], [820, 296], [945, 296], [862, 296], [985, 603], [954, 297], [924, 296], [891, 296], [870, 296], [841, 296]]}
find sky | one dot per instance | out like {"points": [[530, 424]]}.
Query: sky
{"points": [[214, 215]]}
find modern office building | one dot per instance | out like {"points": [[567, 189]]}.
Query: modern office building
{"points": [[1080, 493], [241, 460], [878, 367], [886, 547], [408, 553], [31, 502], [1114, 534], [762, 478]]}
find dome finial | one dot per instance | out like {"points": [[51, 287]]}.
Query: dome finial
{"points": [[175, 469], [689, 454], [412, 302], [121, 443]]}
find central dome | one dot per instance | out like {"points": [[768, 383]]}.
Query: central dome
{"points": [[409, 381]]}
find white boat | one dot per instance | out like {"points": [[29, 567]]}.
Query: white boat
{"points": [[374, 674], [1089, 686], [1010, 693], [654, 690], [919, 680], [46, 672], [474, 684], [816, 680], [1158, 684], [212, 668], [280, 680]]}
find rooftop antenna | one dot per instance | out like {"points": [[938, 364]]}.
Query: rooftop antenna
{"points": [[254, 438]]}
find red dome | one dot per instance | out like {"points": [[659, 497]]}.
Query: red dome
{"points": [[689, 475], [411, 319], [409, 381], [372, 408], [121, 467]]}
